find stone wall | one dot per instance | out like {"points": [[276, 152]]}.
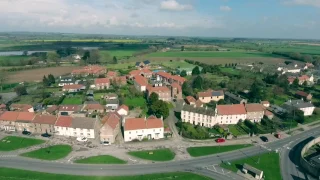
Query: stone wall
{"points": [[310, 168]]}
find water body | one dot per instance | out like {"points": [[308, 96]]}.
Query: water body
{"points": [[17, 53]]}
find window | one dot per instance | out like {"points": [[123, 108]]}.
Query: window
{"points": [[154, 130], [88, 134], [129, 132]]}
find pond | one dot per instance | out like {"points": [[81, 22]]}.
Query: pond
{"points": [[17, 53]]}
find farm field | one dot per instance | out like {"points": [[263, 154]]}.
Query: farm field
{"points": [[121, 65], [13, 59], [210, 54], [49, 153], [15, 174], [37, 74], [175, 64], [103, 159], [86, 40], [11, 143], [118, 53]]}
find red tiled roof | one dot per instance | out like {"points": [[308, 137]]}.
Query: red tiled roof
{"points": [[69, 108], [26, 116], [64, 121], [304, 78], [112, 119], [190, 99], [124, 107], [301, 93], [141, 123], [164, 74], [158, 89], [233, 109], [45, 119], [121, 79], [178, 78], [52, 109], [199, 103], [167, 130], [3, 106], [141, 80], [9, 116], [205, 94], [254, 107], [94, 107], [152, 123], [176, 85], [291, 79], [268, 113], [73, 86], [102, 81], [139, 72], [111, 73]]}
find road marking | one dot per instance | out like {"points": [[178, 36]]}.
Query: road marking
{"points": [[132, 160], [70, 159]]}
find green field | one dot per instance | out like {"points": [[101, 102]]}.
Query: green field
{"points": [[210, 54], [11, 143], [103, 159], [12, 60], [50, 153], [208, 150], [120, 65], [15, 174], [86, 40], [154, 155], [136, 102], [269, 164], [72, 101], [175, 64]]}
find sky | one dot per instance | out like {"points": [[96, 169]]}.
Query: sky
{"points": [[297, 19]]}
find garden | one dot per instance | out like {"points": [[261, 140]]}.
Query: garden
{"points": [[11, 143], [49, 153]]}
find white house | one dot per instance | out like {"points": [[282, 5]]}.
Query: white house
{"points": [[198, 115], [63, 126], [123, 110], [142, 128], [65, 81], [306, 107], [230, 114]]}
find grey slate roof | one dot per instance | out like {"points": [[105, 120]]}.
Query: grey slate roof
{"points": [[298, 104], [217, 93], [233, 96], [83, 123], [199, 110]]}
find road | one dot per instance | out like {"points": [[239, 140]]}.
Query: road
{"points": [[196, 165]]}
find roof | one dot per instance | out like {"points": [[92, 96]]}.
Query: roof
{"points": [[83, 123], [233, 109], [254, 107], [123, 107], [9, 116], [3, 106], [140, 80], [94, 107], [304, 78], [26, 116], [210, 93], [52, 109], [301, 93], [139, 72], [113, 101], [69, 108], [267, 113], [178, 78], [45, 119], [111, 73], [121, 79], [157, 89], [190, 99], [233, 96], [164, 74], [298, 104], [199, 110], [64, 121], [141, 123], [252, 169], [146, 62], [21, 107], [199, 103], [73, 86], [176, 85], [112, 119], [102, 81]]}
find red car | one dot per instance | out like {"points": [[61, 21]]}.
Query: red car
{"points": [[220, 140]]}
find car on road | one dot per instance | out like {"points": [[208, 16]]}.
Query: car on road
{"points": [[105, 143], [82, 139], [220, 140], [46, 135], [264, 139], [26, 133]]}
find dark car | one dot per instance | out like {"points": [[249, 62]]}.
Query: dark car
{"points": [[26, 133], [264, 139], [46, 135]]}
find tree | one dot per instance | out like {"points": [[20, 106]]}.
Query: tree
{"points": [[45, 81], [86, 56], [25, 53], [295, 83], [255, 92], [183, 73], [94, 57], [160, 109], [21, 90], [182, 48], [186, 89], [198, 83], [305, 84], [3, 78], [53, 56], [154, 97], [299, 116], [195, 71], [51, 79], [115, 60]]}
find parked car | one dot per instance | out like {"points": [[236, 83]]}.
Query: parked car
{"points": [[264, 139], [220, 140], [82, 139], [26, 133], [278, 136], [105, 143], [46, 135]]}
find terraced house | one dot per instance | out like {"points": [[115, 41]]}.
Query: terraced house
{"points": [[210, 95], [198, 115]]}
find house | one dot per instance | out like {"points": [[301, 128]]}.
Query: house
{"points": [[85, 127], [24, 122], [93, 108], [142, 72], [177, 79], [112, 74], [306, 107], [112, 105], [309, 65], [73, 88], [143, 128], [232, 98], [163, 92], [93, 70], [44, 124], [119, 81], [140, 83], [143, 64], [176, 91], [198, 115], [63, 125], [110, 127], [21, 107], [190, 100], [102, 83], [156, 83], [230, 114], [301, 79], [66, 110], [65, 81], [76, 57], [164, 77], [53, 109], [255, 112], [123, 110], [265, 103], [210, 95], [304, 95], [7, 120]]}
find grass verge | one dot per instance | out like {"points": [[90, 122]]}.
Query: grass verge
{"points": [[209, 150], [11, 143], [154, 155], [103, 159], [50, 153]]}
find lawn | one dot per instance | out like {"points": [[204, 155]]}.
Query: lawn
{"points": [[50, 153], [236, 130], [208, 150], [209, 54], [15, 174], [97, 96], [72, 100], [135, 102], [230, 71], [103, 159], [269, 164], [154, 155], [11, 143]]}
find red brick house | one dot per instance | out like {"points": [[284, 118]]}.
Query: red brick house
{"points": [[102, 83], [163, 92], [176, 91]]}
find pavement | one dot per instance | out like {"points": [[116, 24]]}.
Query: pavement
{"points": [[201, 165]]}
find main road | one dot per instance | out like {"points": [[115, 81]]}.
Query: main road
{"points": [[196, 165]]}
